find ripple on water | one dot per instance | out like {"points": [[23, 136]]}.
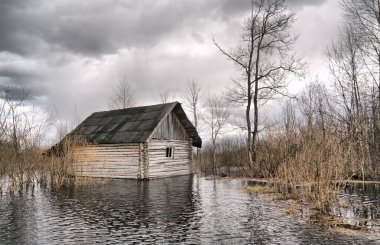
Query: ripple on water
{"points": [[183, 209]]}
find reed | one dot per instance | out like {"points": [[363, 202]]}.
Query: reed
{"points": [[310, 171], [19, 172]]}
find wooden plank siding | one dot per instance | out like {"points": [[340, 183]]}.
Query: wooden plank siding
{"points": [[109, 161], [162, 166], [170, 128]]}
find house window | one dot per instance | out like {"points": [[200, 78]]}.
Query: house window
{"points": [[170, 152]]}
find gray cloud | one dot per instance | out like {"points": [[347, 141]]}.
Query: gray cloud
{"points": [[16, 72], [90, 29], [100, 27], [303, 3], [23, 74]]}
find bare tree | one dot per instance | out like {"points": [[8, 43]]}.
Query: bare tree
{"points": [[265, 61], [314, 104], [192, 102], [123, 95], [164, 96], [21, 125], [3, 116], [14, 99], [347, 63], [350, 80], [62, 125], [364, 17], [216, 119]]}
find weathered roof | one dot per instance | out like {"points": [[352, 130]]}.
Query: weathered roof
{"points": [[131, 125]]}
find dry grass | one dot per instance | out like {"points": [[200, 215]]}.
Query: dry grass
{"points": [[306, 166], [259, 189], [32, 166]]}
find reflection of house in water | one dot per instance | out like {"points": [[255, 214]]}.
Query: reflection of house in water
{"points": [[161, 208], [138, 143]]}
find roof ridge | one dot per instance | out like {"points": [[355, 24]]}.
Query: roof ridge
{"points": [[136, 107]]}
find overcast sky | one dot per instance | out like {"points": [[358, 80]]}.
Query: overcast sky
{"points": [[69, 53]]}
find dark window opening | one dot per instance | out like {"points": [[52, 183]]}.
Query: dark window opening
{"points": [[170, 152]]}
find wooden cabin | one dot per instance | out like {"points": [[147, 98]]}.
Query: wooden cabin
{"points": [[139, 143]]}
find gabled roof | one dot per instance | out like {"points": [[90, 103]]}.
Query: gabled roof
{"points": [[131, 125]]}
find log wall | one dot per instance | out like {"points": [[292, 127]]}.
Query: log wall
{"points": [[109, 161], [162, 166]]}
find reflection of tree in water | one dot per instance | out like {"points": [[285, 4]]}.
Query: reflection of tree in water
{"points": [[155, 210], [19, 216], [15, 220], [362, 200]]}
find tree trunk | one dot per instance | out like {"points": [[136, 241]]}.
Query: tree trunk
{"points": [[249, 136], [255, 107], [213, 158], [255, 126]]}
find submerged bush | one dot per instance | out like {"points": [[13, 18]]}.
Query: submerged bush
{"points": [[53, 168]]}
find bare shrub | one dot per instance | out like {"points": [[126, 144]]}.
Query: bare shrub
{"points": [[65, 165], [230, 157], [313, 169]]}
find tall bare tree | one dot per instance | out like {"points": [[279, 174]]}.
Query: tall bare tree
{"points": [[364, 17], [216, 119], [192, 99], [164, 96], [349, 66], [265, 60], [350, 81], [192, 102], [123, 95]]}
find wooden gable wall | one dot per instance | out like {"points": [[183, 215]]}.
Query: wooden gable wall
{"points": [[171, 128]]}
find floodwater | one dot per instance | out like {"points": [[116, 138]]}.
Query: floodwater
{"points": [[359, 205], [186, 209]]}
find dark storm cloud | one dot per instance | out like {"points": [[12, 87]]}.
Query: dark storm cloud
{"points": [[91, 28], [103, 27], [302, 3], [16, 72], [20, 72], [238, 6]]}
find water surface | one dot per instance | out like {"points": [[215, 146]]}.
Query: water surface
{"points": [[359, 205], [186, 209]]}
